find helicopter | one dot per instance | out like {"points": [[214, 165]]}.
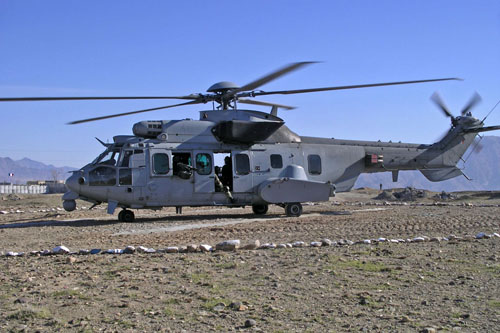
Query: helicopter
{"points": [[172, 163]]}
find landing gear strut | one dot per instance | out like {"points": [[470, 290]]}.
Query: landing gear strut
{"points": [[293, 209], [126, 216], [260, 209]]}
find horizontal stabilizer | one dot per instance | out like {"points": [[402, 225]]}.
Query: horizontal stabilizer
{"points": [[482, 129], [436, 175]]}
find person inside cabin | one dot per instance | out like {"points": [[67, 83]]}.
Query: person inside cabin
{"points": [[219, 187], [182, 165], [227, 173]]}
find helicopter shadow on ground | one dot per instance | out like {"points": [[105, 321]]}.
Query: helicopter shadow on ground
{"points": [[56, 223], [205, 217], [168, 219]]}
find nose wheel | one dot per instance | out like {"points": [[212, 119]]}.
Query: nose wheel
{"points": [[126, 216]]}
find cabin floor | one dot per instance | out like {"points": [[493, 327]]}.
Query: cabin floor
{"points": [[417, 286]]}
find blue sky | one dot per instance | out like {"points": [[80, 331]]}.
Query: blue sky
{"points": [[81, 48]]}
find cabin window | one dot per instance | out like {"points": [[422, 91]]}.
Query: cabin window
{"points": [[314, 163], [242, 164], [102, 176], [160, 164], [125, 176], [182, 166], [276, 161], [203, 164]]}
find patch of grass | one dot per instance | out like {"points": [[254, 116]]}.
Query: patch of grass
{"points": [[210, 303], [495, 269], [70, 293], [197, 277], [111, 274], [169, 312], [172, 301], [494, 304], [30, 314], [227, 265], [125, 324]]}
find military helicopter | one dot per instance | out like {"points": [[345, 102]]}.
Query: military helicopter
{"points": [[171, 163]]}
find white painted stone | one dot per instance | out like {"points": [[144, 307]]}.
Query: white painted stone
{"points": [[481, 235], [230, 245], [381, 239], [268, 246], [252, 245], [114, 251], [129, 249], [298, 244], [142, 249], [367, 241], [172, 249], [192, 248], [315, 244], [282, 246], [418, 239], [206, 248], [326, 242], [60, 250]]}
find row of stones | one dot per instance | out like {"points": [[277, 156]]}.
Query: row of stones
{"points": [[406, 203], [233, 245]]}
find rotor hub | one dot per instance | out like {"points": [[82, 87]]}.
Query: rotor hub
{"points": [[222, 87]]}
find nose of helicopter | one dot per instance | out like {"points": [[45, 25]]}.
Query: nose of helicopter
{"points": [[72, 183]]}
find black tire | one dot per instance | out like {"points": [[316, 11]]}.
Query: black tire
{"points": [[120, 216], [260, 209], [128, 216], [293, 209]]}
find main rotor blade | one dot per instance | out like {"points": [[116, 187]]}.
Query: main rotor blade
{"points": [[251, 101], [34, 99], [131, 112], [439, 102], [473, 101], [301, 91], [272, 76]]}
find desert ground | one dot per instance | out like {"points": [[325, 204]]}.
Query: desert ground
{"points": [[393, 266]]}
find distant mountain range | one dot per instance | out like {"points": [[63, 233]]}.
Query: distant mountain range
{"points": [[27, 169], [483, 167]]}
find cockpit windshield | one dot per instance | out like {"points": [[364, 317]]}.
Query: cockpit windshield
{"points": [[108, 157]]}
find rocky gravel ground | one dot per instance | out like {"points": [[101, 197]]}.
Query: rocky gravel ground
{"points": [[433, 283]]}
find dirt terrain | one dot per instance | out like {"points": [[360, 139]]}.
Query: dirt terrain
{"points": [[430, 285]]}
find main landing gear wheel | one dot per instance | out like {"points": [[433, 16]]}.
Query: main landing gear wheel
{"points": [[260, 209], [293, 209], [126, 216]]}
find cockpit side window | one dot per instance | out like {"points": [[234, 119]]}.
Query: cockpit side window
{"points": [[126, 156], [108, 157], [102, 176]]}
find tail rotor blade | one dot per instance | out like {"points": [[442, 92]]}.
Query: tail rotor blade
{"points": [[439, 102], [472, 102]]}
